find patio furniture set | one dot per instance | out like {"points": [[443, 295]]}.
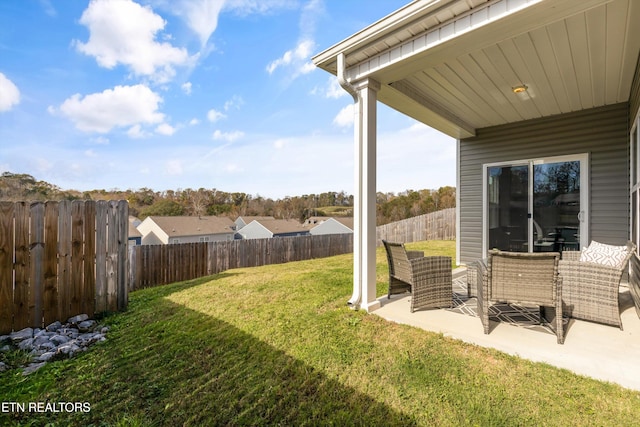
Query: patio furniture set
{"points": [[577, 284]]}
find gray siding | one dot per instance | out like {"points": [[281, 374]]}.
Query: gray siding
{"points": [[601, 132], [634, 97]]}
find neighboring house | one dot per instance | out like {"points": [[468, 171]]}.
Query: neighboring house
{"points": [[329, 225], [542, 98], [267, 228], [158, 230], [241, 221], [135, 237]]}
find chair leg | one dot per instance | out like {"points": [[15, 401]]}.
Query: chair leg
{"points": [[559, 323]]}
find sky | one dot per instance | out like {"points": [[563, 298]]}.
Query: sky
{"points": [[176, 94]]}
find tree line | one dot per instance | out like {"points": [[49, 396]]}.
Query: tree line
{"points": [[145, 202]]}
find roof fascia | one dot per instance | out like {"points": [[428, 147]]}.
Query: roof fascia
{"points": [[380, 28]]}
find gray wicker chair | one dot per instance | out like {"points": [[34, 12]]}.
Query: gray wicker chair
{"points": [[521, 278], [590, 291], [429, 279]]}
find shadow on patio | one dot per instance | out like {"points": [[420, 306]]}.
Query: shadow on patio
{"points": [[598, 351]]}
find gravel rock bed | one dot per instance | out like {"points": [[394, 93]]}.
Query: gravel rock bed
{"points": [[55, 342]]}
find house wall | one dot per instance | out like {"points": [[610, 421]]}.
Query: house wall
{"points": [[254, 230], [330, 226], [634, 98], [151, 233], [601, 132]]}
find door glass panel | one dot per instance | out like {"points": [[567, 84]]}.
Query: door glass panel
{"points": [[556, 206], [508, 197]]}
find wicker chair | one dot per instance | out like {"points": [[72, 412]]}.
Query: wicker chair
{"points": [[590, 291], [521, 278], [427, 278]]}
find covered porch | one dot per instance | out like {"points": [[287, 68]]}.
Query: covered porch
{"points": [[542, 97], [598, 351]]}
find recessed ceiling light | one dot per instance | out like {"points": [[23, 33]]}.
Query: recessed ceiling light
{"points": [[519, 89]]}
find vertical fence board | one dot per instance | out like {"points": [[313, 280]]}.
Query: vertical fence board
{"points": [[88, 300], [36, 276], [6, 266], [123, 231], [51, 289], [64, 259], [112, 256], [101, 208], [77, 243], [21, 317]]}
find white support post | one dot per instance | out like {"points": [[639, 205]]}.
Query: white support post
{"points": [[364, 243]]}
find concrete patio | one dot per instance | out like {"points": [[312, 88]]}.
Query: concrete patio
{"points": [[598, 351]]}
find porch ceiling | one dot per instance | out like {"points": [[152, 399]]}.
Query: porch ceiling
{"points": [[453, 64]]}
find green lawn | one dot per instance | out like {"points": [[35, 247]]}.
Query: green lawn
{"points": [[277, 345]]}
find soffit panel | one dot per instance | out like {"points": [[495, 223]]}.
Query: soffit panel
{"points": [[584, 61]]}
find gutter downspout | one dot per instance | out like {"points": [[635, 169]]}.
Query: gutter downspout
{"points": [[356, 297]]}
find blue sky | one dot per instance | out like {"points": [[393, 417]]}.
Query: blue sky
{"points": [[175, 94]]}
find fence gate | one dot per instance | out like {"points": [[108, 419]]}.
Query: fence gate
{"points": [[60, 259]]}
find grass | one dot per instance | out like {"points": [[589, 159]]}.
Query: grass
{"points": [[276, 345]]}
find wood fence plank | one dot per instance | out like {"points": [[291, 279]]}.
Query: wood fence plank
{"points": [[64, 259], [22, 267], [112, 257], [88, 295], [123, 241], [51, 290], [101, 256], [6, 266], [77, 243], [36, 276]]}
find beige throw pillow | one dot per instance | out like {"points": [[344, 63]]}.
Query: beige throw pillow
{"points": [[600, 253]]}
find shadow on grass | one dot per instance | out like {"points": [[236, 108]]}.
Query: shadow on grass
{"points": [[169, 365]]}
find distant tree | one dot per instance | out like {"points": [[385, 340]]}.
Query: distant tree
{"points": [[163, 208]]}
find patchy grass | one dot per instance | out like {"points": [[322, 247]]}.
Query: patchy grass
{"points": [[277, 345]]}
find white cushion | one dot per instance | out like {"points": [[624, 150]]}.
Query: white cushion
{"points": [[599, 253]]}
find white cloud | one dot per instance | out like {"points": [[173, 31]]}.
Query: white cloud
{"points": [[234, 103], [90, 153], [124, 32], [214, 115], [165, 129], [186, 88], [9, 94], [227, 136], [334, 90], [118, 107], [194, 122], [174, 167], [345, 117], [136, 132], [100, 140], [279, 144], [248, 7], [297, 57], [202, 16]]}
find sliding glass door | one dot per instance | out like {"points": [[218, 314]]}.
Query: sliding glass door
{"points": [[536, 205]]}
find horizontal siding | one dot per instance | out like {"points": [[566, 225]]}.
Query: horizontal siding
{"points": [[634, 97], [601, 132]]}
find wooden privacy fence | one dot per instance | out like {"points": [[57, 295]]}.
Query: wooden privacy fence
{"points": [[151, 265], [439, 225], [60, 259]]}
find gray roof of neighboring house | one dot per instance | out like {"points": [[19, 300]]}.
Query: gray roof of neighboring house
{"points": [[193, 225], [282, 226], [133, 223]]}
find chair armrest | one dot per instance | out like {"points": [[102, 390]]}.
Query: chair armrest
{"points": [[415, 254]]}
